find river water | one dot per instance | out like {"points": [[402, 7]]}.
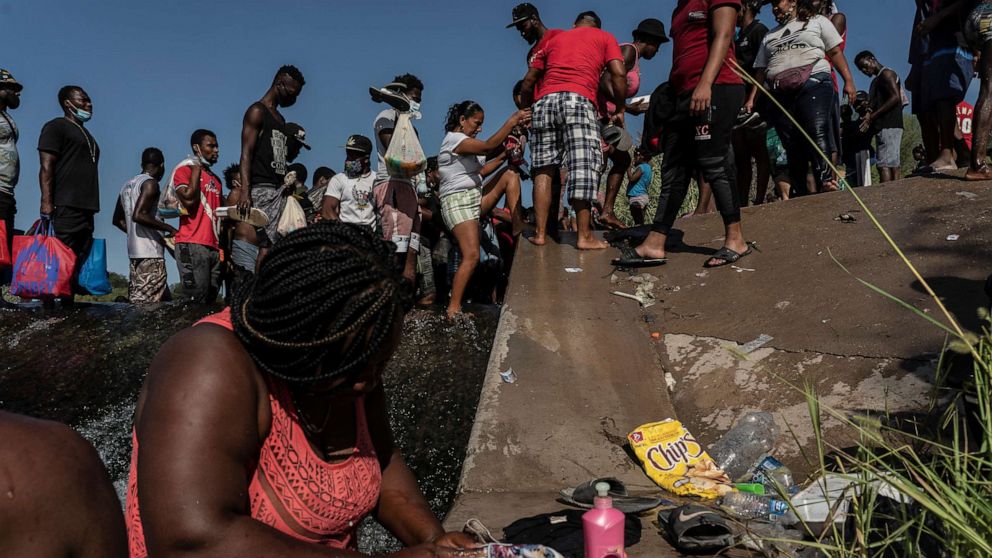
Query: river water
{"points": [[85, 366]]}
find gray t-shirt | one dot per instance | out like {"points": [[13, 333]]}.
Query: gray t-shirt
{"points": [[798, 44], [458, 172], [10, 163], [386, 120]]}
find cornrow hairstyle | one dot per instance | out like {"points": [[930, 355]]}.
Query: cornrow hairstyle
{"points": [[318, 287], [457, 111]]}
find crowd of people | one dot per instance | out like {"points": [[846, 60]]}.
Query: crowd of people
{"points": [[263, 429]]}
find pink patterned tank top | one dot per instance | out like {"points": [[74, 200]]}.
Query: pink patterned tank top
{"points": [[292, 489]]}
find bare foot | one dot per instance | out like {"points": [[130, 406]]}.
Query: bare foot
{"points": [[538, 239], [610, 221], [981, 173], [454, 312], [590, 243], [649, 253]]}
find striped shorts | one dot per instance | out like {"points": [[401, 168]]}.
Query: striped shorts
{"points": [[458, 207], [566, 132]]}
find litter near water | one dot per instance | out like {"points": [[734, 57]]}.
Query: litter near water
{"points": [[953, 237], [741, 269], [573, 270], [756, 344], [967, 195], [509, 376]]}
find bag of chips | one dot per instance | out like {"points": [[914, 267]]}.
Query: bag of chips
{"points": [[674, 460]]}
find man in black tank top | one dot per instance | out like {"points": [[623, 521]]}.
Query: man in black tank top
{"points": [[264, 152]]}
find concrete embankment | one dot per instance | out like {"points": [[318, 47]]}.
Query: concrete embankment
{"points": [[588, 370]]}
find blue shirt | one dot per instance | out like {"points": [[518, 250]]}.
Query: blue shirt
{"points": [[640, 188]]}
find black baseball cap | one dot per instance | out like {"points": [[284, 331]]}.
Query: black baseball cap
{"points": [[7, 80], [296, 132], [360, 143], [653, 29], [523, 12]]}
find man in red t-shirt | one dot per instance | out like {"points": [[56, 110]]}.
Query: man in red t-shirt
{"points": [[566, 129], [708, 95], [197, 245]]}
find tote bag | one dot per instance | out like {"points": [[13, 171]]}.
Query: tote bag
{"points": [[93, 276], [43, 265]]}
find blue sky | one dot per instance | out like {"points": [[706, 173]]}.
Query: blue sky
{"points": [[158, 70]]}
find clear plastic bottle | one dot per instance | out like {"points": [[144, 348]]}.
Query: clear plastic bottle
{"points": [[763, 508], [744, 445], [602, 526]]}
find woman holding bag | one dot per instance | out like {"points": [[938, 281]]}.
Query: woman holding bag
{"points": [[465, 194], [793, 63]]}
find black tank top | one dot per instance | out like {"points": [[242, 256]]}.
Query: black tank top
{"points": [[268, 162]]}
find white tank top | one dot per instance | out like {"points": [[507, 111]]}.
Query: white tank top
{"points": [[142, 242]]}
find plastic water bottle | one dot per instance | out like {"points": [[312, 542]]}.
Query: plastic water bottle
{"points": [[763, 508], [602, 526], [775, 476], [743, 445]]}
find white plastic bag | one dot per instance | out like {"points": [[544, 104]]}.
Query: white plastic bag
{"points": [[292, 217], [168, 202], [405, 157]]}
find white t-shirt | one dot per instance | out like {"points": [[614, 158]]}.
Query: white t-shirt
{"points": [[458, 172], [385, 120], [142, 242], [355, 195], [798, 44]]}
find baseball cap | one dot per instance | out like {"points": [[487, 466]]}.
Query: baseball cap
{"points": [[296, 132], [7, 79], [523, 12], [360, 143], [653, 28]]}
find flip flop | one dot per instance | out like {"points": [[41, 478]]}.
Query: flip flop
{"points": [[694, 528], [629, 258], [727, 255], [582, 496], [391, 98]]}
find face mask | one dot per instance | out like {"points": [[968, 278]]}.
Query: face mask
{"points": [[415, 110], [80, 114], [354, 168], [202, 160], [785, 17]]}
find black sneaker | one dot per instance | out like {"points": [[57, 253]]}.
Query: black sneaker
{"points": [[747, 119]]}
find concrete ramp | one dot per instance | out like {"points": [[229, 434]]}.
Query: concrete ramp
{"points": [[586, 375]]}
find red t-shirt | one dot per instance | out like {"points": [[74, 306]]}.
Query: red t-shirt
{"points": [[573, 61], [691, 44], [539, 47], [965, 112], [199, 227]]}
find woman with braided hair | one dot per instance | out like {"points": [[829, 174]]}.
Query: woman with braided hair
{"points": [[262, 429]]}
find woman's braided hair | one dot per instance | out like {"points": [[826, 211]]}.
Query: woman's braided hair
{"points": [[318, 287]]}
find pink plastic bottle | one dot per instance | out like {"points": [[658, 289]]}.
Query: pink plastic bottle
{"points": [[602, 526]]}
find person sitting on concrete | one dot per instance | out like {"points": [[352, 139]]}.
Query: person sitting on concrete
{"points": [[293, 367], [349, 194], [565, 126], [58, 501], [471, 185], [885, 117], [136, 215]]}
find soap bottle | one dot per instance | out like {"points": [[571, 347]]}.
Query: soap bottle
{"points": [[602, 526]]}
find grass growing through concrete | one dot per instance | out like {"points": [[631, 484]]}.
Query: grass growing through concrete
{"points": [[946, 473]]}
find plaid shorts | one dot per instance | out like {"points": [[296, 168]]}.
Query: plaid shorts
{"points": [[566, 132], [458, 207]]}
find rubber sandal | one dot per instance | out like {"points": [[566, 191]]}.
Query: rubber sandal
{"points": [[391, 98], [629, 258], [728, 256], [478, 530], [694, 528], [256, 217], [582, 496]]}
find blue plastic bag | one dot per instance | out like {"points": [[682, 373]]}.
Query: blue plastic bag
{"points": [[93, 276]]}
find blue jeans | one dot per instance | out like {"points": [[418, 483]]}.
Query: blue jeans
{"points": [[813, 107]]}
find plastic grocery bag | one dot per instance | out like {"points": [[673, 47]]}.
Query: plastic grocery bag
{"points": [[674, 460], [293, 217], [43, 265], [168, 202], [405, 157], [93, 276]]}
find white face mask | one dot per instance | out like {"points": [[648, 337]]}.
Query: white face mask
{"points": [[200, 157], [415, 110]]}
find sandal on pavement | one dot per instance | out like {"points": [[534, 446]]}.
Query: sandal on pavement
{"points": [[583, 495], [727, 255], [695, 528], [631, 259]]}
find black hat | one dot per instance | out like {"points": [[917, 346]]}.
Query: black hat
{"points": [[296, 132], [7, 80], [523, 12], [360, 143], [653, 29]]}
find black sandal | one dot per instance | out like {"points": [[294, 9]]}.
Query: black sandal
{"points": [[727, 255], [629, 258]]}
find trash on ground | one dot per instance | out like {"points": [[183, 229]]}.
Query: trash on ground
{"points": [[676, 461], [744, 506], [573, 270], [953, 237], [509, 376], [774, 476], [771, 539], [670, 381], [845, 218], [745, 444], [655, 335], [756, 344], [614, 279], [649, 319], [967, 195], [750, 488], [741, 269]]}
